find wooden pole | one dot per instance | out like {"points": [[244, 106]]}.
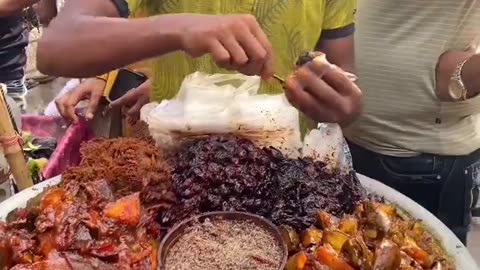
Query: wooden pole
{"points": [[12, 148]]}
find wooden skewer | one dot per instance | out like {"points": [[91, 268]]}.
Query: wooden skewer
{"points": [[278, 78]]}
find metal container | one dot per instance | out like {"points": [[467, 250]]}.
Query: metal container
{"points": [[177, 231]]}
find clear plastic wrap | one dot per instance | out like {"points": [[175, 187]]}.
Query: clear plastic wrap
{"points": [[327, 143]]}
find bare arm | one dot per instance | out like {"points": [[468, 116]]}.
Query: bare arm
{"points": [[340, 52], [467, 53], [10, 7], [470, 72], [446, 67], [88, 38]]}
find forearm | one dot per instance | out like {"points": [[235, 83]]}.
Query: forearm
{"points": [[340, 52], [89, 45], [471, 75], [447, 68], [9, 7]]}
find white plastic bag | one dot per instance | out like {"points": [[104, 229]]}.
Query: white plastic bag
{"points": [[326, 143], [225, 103], [268, 120], [217, 86], [51, 108]]}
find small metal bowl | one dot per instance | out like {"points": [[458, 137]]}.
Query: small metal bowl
{"points": [[177, 231]]}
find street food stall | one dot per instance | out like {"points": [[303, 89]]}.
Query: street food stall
{"points": [[224, 181]]}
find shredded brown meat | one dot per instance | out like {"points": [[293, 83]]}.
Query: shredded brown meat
{"points": [[128, 165], [139, 130]]}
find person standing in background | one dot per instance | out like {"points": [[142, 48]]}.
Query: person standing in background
{"points": [[420, 129], [13, 43]]}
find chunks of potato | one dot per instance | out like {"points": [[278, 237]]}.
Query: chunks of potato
{"points": [[348, 225], [335, 239], [125, 210], [326, 221], [311, 237]]}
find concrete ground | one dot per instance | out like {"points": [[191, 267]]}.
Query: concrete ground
{"points": [[38, 97]]}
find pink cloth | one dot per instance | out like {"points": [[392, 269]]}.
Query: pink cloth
{"points": [[69, 140]]}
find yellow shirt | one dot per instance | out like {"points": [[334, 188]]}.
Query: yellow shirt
{"points": [[292, 26]]}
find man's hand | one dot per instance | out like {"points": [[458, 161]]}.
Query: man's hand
{"points": [[324, 93], [447, 63], [91, 90], [134, 99], [236, 42]]}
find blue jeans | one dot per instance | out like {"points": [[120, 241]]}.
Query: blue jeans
{"points": [[444, 185], [17, 90]]}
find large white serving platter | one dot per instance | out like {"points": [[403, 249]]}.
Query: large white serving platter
{"points": [[452, 245], [20, 199], [463, 259]]}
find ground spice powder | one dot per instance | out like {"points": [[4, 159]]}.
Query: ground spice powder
{"points": [[224, 245]]}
